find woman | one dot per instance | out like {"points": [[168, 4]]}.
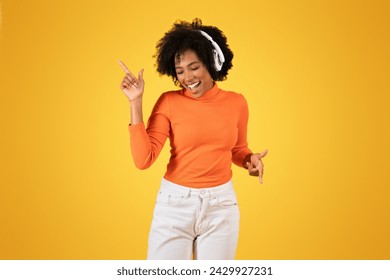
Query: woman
{"points": [[196, 215]]}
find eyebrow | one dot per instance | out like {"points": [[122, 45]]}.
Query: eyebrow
{"points": [[188, 64]]}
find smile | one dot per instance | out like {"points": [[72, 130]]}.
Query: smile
{"points": [[193, 86]]}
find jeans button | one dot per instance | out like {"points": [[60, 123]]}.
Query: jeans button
{"points": [[202, 192]]}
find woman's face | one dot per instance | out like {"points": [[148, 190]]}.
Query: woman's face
{"points": [[192, 74]]}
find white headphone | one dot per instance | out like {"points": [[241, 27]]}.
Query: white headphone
{"points": [[219, 58]]}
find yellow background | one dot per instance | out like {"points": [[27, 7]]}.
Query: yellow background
{"points": [[316, 77]]}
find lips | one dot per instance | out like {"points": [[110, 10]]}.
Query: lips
{"points": [[193, 86]]}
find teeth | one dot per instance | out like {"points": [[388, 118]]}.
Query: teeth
{"points": [[193, 85]]}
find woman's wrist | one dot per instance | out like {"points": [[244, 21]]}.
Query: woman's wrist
{"points": [[136, 111]]}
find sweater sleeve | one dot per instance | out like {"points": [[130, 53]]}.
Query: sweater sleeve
{"points": [[241, 150], [147, 143]]}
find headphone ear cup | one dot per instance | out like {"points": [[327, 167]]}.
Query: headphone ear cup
{"points": [[218, 63], [219, 58]]}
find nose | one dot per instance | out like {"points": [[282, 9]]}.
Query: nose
{"points": [[188, 76]]}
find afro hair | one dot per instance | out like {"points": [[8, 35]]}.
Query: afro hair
{"points": [[186, 36]]}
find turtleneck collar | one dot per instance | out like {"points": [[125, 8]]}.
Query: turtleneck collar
{"points": [[207, 96]]}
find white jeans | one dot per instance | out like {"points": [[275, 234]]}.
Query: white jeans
{"points": [[191, 223]]}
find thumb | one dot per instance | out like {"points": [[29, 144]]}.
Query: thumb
{"points": [[141, 75], [264, 153]]}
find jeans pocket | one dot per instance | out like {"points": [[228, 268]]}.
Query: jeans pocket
{"points": [[170, 198], [227, 200]]}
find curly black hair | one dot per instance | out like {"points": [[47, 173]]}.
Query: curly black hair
{"points": [[186, 36]]}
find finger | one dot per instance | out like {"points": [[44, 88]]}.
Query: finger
{"points": [[261, 176], [253, 172], [264, 153], [125, 84], [252, 169], [127, 71], [261, 172], [124, 67], [131, 81], [141, 75], [131, 77], [260, 167]]}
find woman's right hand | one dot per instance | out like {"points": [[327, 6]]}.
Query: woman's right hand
{"points": [[132, 87]]}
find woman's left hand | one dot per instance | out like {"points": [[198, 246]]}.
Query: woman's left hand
{"points": [[255, 165]]}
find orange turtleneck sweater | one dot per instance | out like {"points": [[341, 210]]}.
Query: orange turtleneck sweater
{"points": [[206, 135]]}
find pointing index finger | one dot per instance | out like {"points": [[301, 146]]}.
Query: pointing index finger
{"points": [[124, 67]]}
